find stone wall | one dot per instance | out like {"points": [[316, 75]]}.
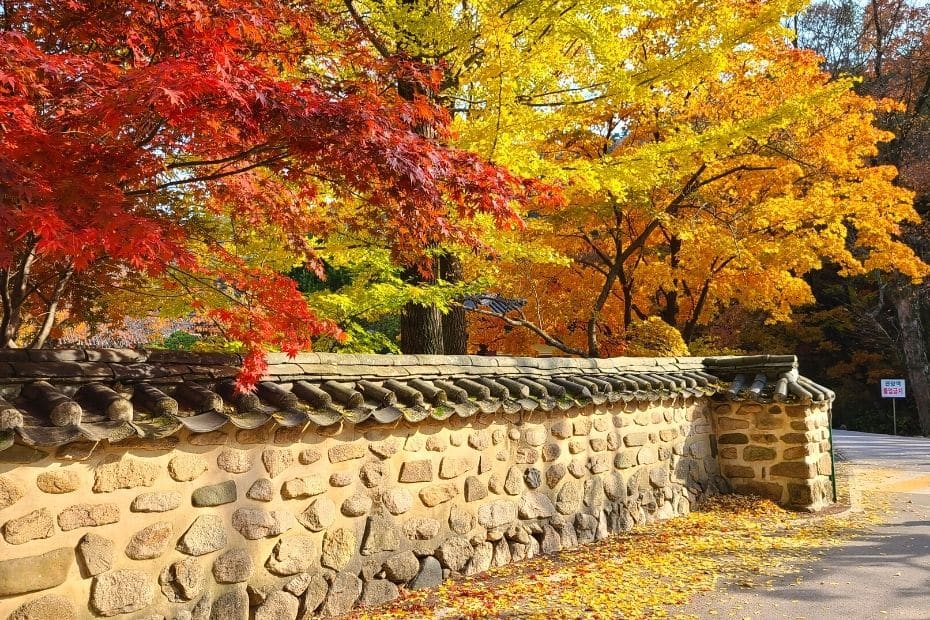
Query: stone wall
{"points": [[288, 523], [779, 451]]}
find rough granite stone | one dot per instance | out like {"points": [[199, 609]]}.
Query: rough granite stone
{"points": [[279, 605], [235, 461], [32, 526], [48, 607], [479, 440], [124, 474], [88, 515], [377, 592], [356, 505], [416, 471], [568, 500], [758, 453], [421, 528], [10, 492], [121, 592], [455, 466], [535, 506], [156, 501], [308, 486], [205, 535], [341, 478], [233, 566], [402, 567], [186, 467], [231, 605], [308, 456], [461, 521], [214, 495], [437, 443], [182, 581], [397, 500], [95, 554], [373, 474], [319, 515], [475, 489], [56, 481], [561, 429], [338, 548], [276, 460], [554, 474], [384, 449], [299, 584], [535, 436], [343, 593], [346, 452], [314, 595], [292, 555], [497, 513], [150, 542], [381, 534], [253, 523], [35, 572], [438, 494], [429, 575], [262, 490]]}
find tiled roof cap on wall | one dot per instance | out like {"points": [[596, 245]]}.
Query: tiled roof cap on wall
{"points": [[54, 397]]}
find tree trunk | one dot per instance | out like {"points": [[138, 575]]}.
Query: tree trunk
{"points": [[914, 351], [454, 324], [421, 329]]}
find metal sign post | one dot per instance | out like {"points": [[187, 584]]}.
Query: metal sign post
{"points": [[893, 389]]}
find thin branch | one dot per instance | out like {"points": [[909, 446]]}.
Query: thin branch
{"points": [[547, 338]]}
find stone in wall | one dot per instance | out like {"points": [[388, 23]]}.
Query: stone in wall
{"points": [[48, 607], [126, 473], [235, 461], [35, 572], [156, 501], [121, 592], [397, 501], [276, 460], [10, 492], [205, 535], [343, 593], [373, 474], [416, 471], [341, 478], [436, 494], [308, 486], [402, 567], [292, 555], [279, 605], [380, 536], [32, 526], [182, 581], [319, 515], [338, 548], [58, 481], [150, 542], [253, 523], [88, 515], [262, 490], [346, 452], [95, 554], [214, 495], [356, 505], [186, 467], [233, 566]]}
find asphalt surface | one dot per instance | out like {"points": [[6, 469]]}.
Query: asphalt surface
{"points": [[885, 573]]}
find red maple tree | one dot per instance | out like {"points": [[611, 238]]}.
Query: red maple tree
{"points": [[123, 120]]}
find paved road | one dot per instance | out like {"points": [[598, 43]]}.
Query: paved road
{"points": [[882, 574]]}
